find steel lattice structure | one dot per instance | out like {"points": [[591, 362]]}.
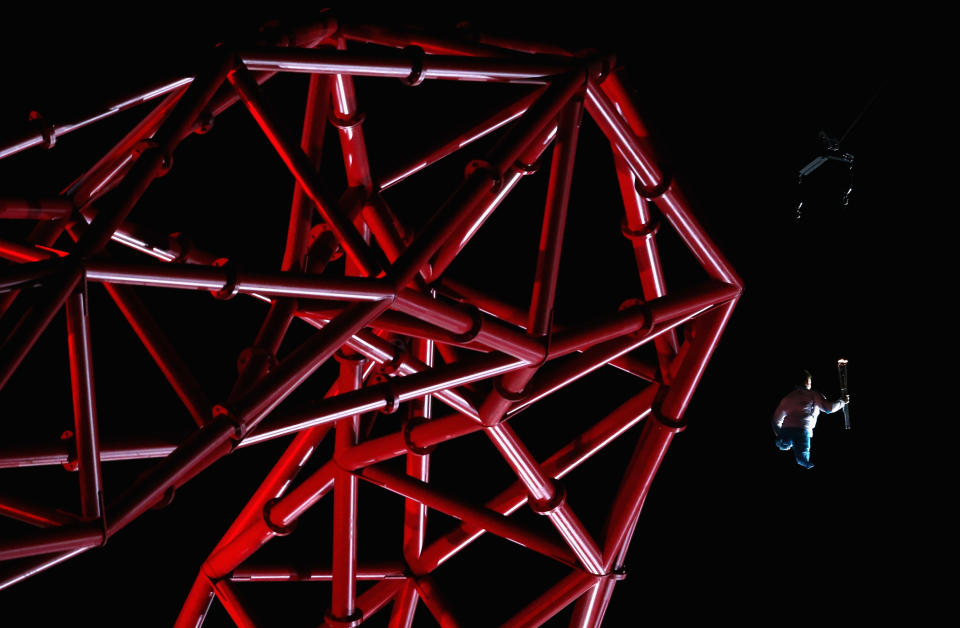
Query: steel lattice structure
{"points": [[392, 286]]}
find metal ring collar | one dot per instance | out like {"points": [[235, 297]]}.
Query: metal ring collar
{"points": [[405, 432], [647, 231], [277, 529], [416, 55], [232, 286], [666, 178]]}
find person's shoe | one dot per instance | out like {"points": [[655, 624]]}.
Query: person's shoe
{"points": [[805, 465], [783, 444]]}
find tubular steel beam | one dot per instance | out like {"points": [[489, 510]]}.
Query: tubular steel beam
{"points": [[86, 434]]}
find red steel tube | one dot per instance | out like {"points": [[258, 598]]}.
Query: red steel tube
{"points": [[174, 369], [491, 332], [250, 409], [418, 466], [230, 553], [197, 604], [232, 604], [34, 321], [463, 233], [404, 606], [543, 491], [62, 453], [151, 163], [196, 277], [463, 206], [311, 142], [552, 601], [503, 117], [478, 515], [295, 573], [548, 260], [383, 396], [651, 448], [49, 540], [86, 433], [34, 514], [373, 599], [640, 229], [345, 487], [33, 137], [388, 64], [37, 565], [299, 165], [591, 607], [556, 466], [35, 209], [435, 602], [691, 370], [352, 143]]}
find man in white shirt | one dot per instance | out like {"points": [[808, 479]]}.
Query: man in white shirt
{"points": [[796, 416]]}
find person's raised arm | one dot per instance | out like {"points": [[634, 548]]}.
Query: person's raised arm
{"points": [[831, 406]]}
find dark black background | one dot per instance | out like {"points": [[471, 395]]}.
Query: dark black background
{"points": [[732, 527]]}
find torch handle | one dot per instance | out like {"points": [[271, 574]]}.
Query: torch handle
{"points": [[842, 372]]}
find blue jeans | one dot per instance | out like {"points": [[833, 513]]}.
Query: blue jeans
{"points": [[798, 439]]}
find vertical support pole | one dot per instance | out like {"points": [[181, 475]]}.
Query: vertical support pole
{"points": [[414, 512], [548, 260], [343, 607], [640, 228], [84, 403]]}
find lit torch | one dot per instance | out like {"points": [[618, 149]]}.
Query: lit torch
{"points": [[842, 370]]}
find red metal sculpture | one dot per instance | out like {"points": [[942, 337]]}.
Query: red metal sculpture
{"points": [[393, 286]]}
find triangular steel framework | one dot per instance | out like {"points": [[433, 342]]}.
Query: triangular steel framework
{"points": [[393, 285]]}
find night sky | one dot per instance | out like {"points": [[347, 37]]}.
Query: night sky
{"points": [[732, 527]]}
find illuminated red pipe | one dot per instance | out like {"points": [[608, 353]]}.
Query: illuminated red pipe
{"points": [[17, 252], [224, 280], [30, 138], [34, 321], [418, 464], [548, 260], [506, 115], [86, 434], [33, 566], [404, 606], [691, 370], [197, 603], [547, 495], [342, 605], [155, 161], [387, 64], [171, 364], [373, 599], [463, 206], [35, 209], [33, 514], [62, 453], [490, 332], [456, 507], [516, 316], [461, 236], [435, 602], [556, 466], [292, 573], [49, 540], [640, 230], [552, 601], [299, 164], [110, 168], [351, 129], [232, 604], [385, 396]]}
